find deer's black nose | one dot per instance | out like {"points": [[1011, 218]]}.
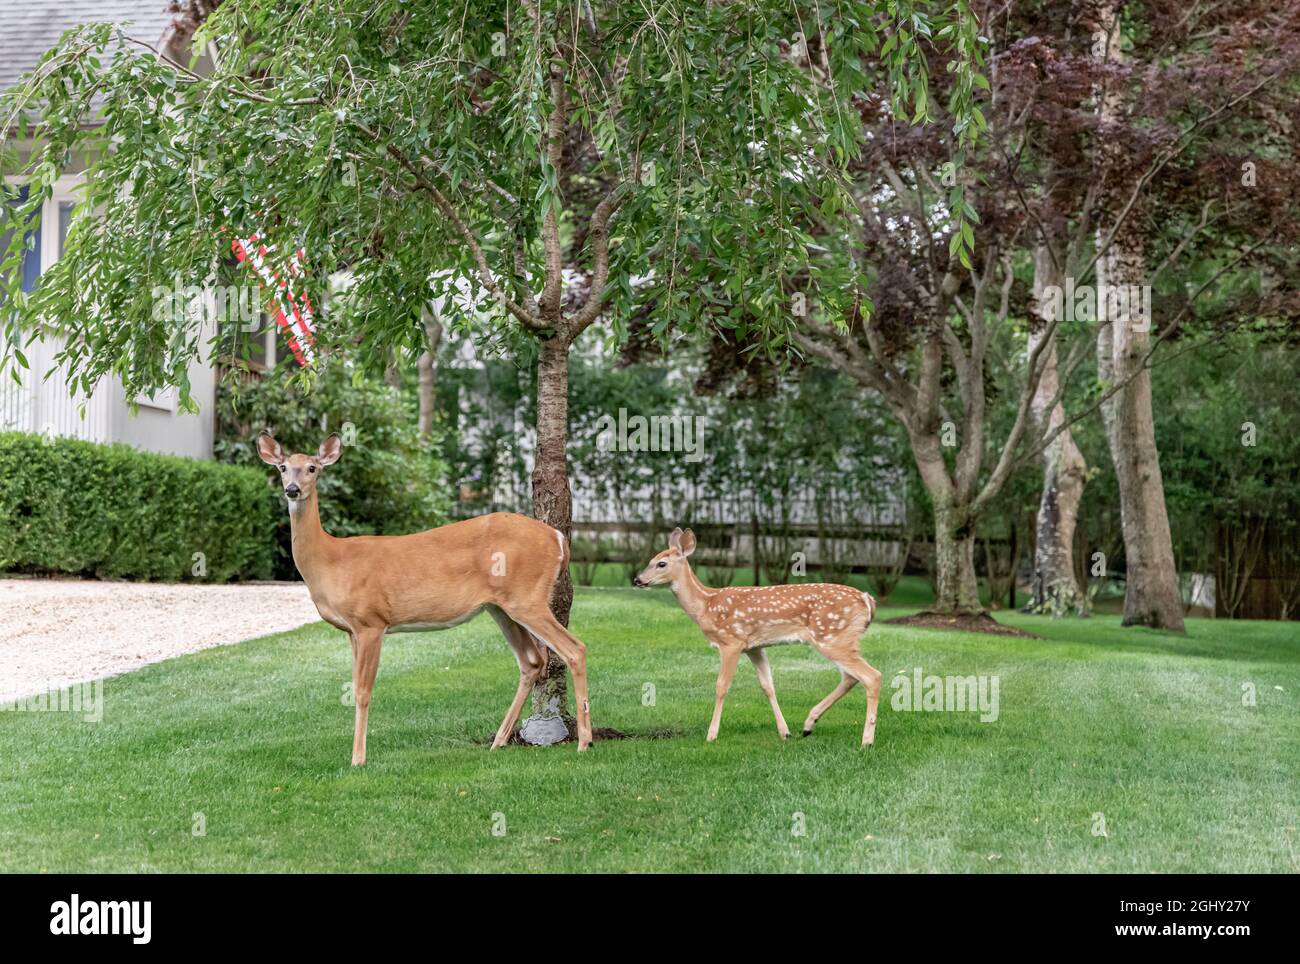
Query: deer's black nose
{"points": [[636, 580], [292, 491]]}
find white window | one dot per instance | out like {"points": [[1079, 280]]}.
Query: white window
{"points": [[43, 404], [56, 216]]}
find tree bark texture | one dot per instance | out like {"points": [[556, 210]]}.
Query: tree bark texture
{"points": [[553, 504], [427, 371], [1055, 588], [957, 588]]}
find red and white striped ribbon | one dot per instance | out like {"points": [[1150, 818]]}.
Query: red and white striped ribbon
{"points": [[291, 309]]}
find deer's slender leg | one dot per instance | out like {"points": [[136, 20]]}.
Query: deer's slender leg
{"points": [[847, 682], [730, 658], [366, 644], [764, 669], [541, 622], [532, 664], [870, 678]]}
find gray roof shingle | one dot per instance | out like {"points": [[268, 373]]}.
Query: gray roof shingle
{"points": [[28, 28]]}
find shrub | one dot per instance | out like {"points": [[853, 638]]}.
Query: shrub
{"points": [[390, 480], [118, 513]]}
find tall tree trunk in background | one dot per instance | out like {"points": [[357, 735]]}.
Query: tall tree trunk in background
{"points": [[1152, 597], [1055, 587], [427, 369], [954, 551], [550, 720], [957, 587]]}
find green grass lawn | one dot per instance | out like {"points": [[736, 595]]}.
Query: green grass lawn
{"points": [[1146, 728]]}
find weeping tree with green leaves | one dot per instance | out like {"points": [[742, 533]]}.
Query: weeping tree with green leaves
{"points": [[550, 165]]}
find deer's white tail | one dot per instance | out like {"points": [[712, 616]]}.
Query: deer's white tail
{"points": [[871, 607]]}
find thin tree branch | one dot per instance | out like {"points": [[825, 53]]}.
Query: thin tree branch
{"points": [[598, 236], [1143, 364], [528, 319], [553, 289], [1163, 158]]}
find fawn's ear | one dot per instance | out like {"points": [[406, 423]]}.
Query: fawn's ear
{"points": [[269, 449], [687, 542], [330, 450], [675, 539]]}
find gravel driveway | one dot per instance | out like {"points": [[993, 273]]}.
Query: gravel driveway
{"points": [[54, 632]]}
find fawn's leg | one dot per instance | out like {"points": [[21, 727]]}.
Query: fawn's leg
{"points": [[870, 678], [531, 658], [730, 658], [365, 664], [764, 669], [846, 683]]}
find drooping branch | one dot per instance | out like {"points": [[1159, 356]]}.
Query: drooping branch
{"points": [[189, 76]]}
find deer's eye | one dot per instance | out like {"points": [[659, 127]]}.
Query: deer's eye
{"points": [[662, 564], [311, 468], [282, 468]]}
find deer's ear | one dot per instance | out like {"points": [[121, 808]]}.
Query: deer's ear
{"points": [[675, 539], [269, 449], [687, 542], [330, 450]]}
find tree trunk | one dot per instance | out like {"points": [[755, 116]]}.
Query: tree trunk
{"points": [[551, 721], [1055, 587], [1123, 339], [957, 591], [1151, 597], [1015, 566], [427, 368], [956, 587]]}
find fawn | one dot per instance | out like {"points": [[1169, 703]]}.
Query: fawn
{"points": [[745, 619]]}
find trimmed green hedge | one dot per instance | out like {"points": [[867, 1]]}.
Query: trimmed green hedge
{"points": [[117, 513]]}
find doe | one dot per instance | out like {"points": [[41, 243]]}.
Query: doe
{"points": [[369, 586]]}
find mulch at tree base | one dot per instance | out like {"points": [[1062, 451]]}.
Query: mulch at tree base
{"points": [[598, 734], [981, 623]]}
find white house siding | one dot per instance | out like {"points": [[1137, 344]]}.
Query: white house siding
{"points": [[163, 429], [43, 404]]}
